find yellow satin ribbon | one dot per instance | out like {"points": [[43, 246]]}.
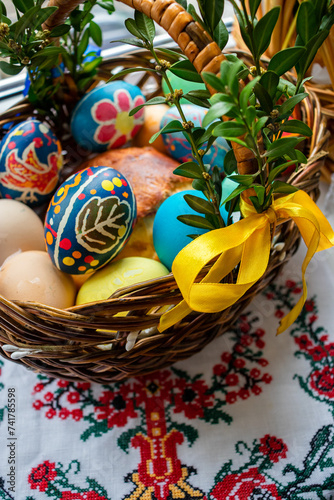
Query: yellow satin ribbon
{"points": [[247, 242]]}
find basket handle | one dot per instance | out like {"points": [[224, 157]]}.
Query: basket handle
{"points": [[192, 39]]}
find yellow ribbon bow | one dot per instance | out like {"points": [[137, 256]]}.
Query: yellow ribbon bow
{"points": [[247, 242]]}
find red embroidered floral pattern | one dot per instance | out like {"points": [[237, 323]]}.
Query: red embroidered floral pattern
{"points": [[273, 447], [246, 485], [87, 495], [40, 476], [322, 381], [192, 398], [116, 408]]}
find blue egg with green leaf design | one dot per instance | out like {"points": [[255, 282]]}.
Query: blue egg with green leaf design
{"points": [[89, 220]]}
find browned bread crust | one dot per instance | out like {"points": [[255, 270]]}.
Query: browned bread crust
{"points": [[149, 172]]}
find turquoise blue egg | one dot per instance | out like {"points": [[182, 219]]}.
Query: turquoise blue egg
{"points": [[178, 146], [101, 120], [30, 163], [89, 220], [169, 234]]}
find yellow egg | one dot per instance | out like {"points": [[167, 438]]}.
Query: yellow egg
{"points": [[152, 119], [20, 229], [31, 276], [119, 274]]}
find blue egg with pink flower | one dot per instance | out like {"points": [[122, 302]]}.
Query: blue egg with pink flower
{"points": [[101, 121]]}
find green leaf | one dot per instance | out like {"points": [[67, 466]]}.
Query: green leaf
{"points": [[24, 21], [199, 204], [230, 163], [91, 65], [130, 41], [221, 35], [270, 81], [283, 187], [229, 129], [296, 127], [23, 5], [312, 47], [259, 125], [131, 26], [183, 3], [307, 25], [200, 185], [60, 30], [96, 33], [196, 101], [235, 193], [281, 146], [250, 115], [278, 170], [217, 111], [254, 5], [291, 103], [260, 193], [172, 54], [190, 170], [155, 100], [256, 203], [286, 87], [107, 5], [83, 45], [246, 92], [10, 69], [41, 17], [263, 98], [195, 221], [3, 8], [286, 59], [145, 25], [300, 156], [232, 80], [245, 180], [264, 30], [212, 12], [186, 70], [171, 127], [213, 81]]}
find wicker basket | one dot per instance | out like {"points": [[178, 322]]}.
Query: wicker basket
{"points": [[64, 343]]}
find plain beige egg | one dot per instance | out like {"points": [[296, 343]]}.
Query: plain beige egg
{"points": [[20, 229], [31, 276]]}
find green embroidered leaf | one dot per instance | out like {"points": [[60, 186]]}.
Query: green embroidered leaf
{"points": [[124, 439], [190, 433]]}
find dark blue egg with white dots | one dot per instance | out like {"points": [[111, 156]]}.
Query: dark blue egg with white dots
{"points": [[30, 163], [178, 146], [89, 220]]}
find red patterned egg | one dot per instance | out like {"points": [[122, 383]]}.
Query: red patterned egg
{"points": [[30, 163], [89, 220]]}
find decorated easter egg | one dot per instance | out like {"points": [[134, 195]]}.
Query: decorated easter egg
{"points": [[152, 119], [101, 120], [30, 163], [169, 234], [116, 275], [178, 146], [89, 219]]}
